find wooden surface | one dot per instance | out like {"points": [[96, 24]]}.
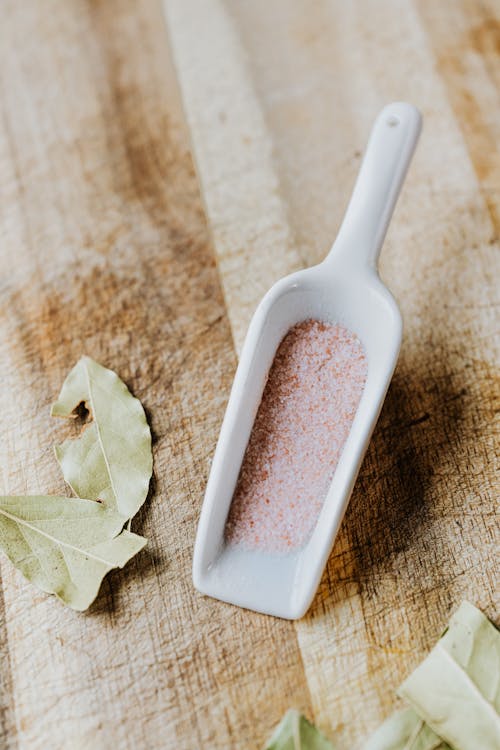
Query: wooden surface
{"points": [[109, 247]]}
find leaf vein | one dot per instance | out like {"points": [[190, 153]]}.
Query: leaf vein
{"points": [[99, 436], [60, 543]]}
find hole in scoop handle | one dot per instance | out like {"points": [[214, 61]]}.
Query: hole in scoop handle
{"points": [[391, 145]]}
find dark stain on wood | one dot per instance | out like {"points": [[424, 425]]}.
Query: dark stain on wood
{"points": [[464, 61]]}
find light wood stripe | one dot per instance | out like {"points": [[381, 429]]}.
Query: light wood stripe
{"points": [[233, 153]]}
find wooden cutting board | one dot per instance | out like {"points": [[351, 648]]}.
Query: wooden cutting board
{"points": [[113, 248]]}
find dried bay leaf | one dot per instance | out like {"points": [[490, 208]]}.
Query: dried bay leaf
{"points": [[405, 730], [295, 732], [456, 689], [65, 545], [454, 693], [111, 460]]}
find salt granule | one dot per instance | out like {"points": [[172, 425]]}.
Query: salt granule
{"points": [[307, 409]]}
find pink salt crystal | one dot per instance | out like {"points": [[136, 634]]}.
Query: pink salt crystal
{"points": [[307, 409]]}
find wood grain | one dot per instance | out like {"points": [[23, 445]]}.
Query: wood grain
{"points": [[420, 532], [105, 251], [466, 44], [109, 248], [233, 149]]}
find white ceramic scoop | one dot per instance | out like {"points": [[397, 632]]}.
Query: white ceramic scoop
{"points": [[346, 289]]}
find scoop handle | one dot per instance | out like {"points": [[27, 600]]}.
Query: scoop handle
{"points": [[391, 145]]}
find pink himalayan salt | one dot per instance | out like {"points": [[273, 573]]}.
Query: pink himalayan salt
{"points": [[307, 408]]}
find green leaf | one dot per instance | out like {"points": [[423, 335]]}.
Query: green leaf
{"points": [[456, 689], [296, 733], [405, 730], [65, 545], [111, 460]]}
